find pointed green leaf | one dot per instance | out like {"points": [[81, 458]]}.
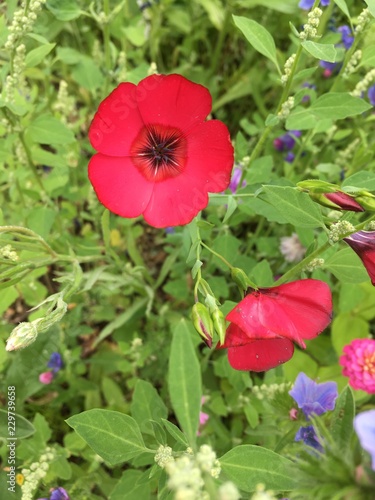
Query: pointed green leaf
{"points": [[371, 6], [258, 37], [112, 435], [338, 105], [46, 129], [249, 465], [184, 380], [23, 427], [347, 266], [296, 207], [35, 56], [147, 405], [322, 51], [342, 419]]}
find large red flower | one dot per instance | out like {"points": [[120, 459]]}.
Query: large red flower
{"points": [[267, 321], [157, 154]]}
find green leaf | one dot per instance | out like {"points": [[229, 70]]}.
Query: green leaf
{"points": [[368, 57], [64, 11], [371, 6], [23, 428], [341, 4], [249, 465], [342, 419], [345, 328], [112, 435], [347, 266], [338, 105], [296, 207], [46, 129], [35, 56], [184, 380], [322, 51], [362, 180], [232, 205], [129, 487], [40, 220], [258, 37], [87, 74], [147, 405], [175, 432], [300, 119]]}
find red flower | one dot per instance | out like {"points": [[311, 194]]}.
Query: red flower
{"points": [[344, 201], [363, 243], [157, 156], [267, 321]]}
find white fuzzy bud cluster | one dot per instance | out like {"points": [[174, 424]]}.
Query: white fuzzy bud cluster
{"points": [[345, 156], [122, 67], [36, 472], [15, 80], [185, 473], [265, 391], [339, 230], [8, 253], [371, 226], [228, 491], [153, 69], [286, 108], [163, 456], [292, 248], [288, 68], [314, 264], [23, 21], [262, 494], [363, 18], [352, 64], [64, 104], [310, 29], [364, 84], [26, 333]]}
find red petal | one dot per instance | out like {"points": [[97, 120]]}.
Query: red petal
{"points": [[175, 202], [298, 310], [210, 156], [173, 100], [234, 337], [260, 355], [117, 122], [118, 185]]}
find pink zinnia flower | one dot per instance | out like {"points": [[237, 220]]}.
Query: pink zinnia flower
{"points": [[359, 364], [46, 377]]}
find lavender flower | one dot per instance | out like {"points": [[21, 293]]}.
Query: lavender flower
{"points": [[313, 398], [364, 426], [289, 157], [346, 37], [309, 437], [55, 362], [235, 180], [371, 94], [307, 4], [59, 494]]}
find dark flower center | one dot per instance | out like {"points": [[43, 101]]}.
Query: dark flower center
{"points": [[159, 152]]}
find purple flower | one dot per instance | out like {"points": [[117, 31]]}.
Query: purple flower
{"points": [[346, 37], [371, 94], [285, 142], [308, 85], [328, 65], [307, 4], [289, 157], [309, 437], [55, 362], [364, 425], [313, 398], [59, 494], [236, 177]]}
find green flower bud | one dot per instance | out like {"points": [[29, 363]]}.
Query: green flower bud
{"points": [[317, 186], [367, 201], [240, 278], [23, 335], [203, 323], [219, 324]]}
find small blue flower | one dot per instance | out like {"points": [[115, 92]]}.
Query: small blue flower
{"points": [[55, 362], [346, 37], [235, 180], [307, 4], [59, 494], [309, 437], [371, 94], [289, 157], [313, 398], [364, 425]]}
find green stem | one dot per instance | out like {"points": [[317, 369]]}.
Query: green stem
{"points": [[30, 234], [107, 48], [31, 163], [216, 254], [220, 41]]}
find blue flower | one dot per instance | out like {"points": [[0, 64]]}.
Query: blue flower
{"points": [[346, 37], [371, 94], [55, 362], [313, 398], [364, 425], [309, 437], [59, 494], [307, 4], [289, 157]]}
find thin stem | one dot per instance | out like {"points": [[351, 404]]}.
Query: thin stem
{"points": [[28, 233], [216, 254], [107, 48], [31, 163], [220, 41]]}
